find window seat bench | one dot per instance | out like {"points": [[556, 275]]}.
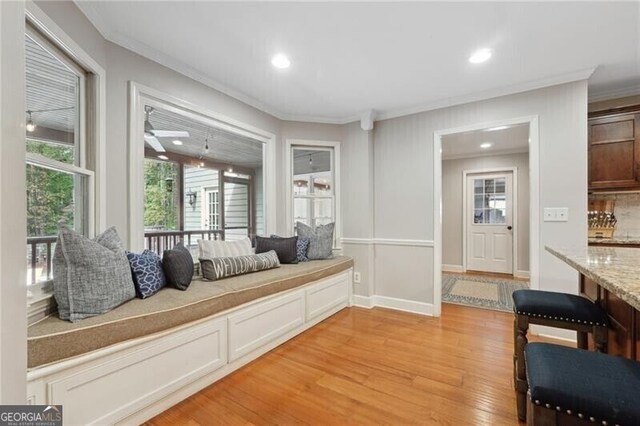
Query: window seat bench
{"points": [[132, 363], [52, 339]]}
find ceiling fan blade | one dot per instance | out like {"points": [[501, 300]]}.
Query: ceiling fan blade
{"points": [[170, 134], [154, 143]]}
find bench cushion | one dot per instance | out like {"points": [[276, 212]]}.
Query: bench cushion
{"points": [[593, 384], [53, 339], [558, 306]]}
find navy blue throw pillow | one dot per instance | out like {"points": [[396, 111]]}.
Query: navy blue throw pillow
{"points": [[147, 272]]}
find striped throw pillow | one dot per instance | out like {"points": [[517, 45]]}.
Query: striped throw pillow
{"points": [[210, 249]]}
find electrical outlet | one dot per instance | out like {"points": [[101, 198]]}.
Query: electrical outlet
{"points": [[356, 277]]}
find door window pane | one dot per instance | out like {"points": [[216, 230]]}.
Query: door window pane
{"points": [[490, 201]]}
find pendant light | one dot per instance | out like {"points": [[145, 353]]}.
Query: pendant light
{"points": [[31, 126]]}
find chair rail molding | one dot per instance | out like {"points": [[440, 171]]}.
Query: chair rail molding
{"points": [[388, 242]]}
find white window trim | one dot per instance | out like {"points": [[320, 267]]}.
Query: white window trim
{"points": [[140, 95], [96, 204], [307, 143]]}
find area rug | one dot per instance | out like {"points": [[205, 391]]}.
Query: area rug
{"points": [[479, 291]]}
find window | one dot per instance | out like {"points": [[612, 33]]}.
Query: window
{"points": [[207, 181], [59, 181], [490, 201], [313, 185]]}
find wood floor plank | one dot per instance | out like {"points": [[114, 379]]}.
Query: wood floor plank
{"points": [[371, 366]]}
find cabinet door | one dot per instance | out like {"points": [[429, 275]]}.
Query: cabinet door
{"points": [[614, 152]]}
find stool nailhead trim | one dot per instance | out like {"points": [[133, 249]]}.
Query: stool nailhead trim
{"points": [[569, 412], [561, 319]]}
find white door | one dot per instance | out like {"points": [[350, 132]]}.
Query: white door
{"points": [[489, 216]]}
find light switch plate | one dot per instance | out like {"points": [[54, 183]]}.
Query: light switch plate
{"points": [[356, 277], [556, 214]]}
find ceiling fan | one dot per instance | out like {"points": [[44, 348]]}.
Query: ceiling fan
{"points": [[151, 135]]}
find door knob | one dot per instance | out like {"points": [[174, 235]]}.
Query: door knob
{"points": [[509, 227]]}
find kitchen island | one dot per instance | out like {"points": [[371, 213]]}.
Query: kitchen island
{"points": [[610, 276]]}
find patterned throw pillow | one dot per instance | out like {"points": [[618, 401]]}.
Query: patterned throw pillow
{"points": [[286, 248], [219, 248], [321, 240], [90, 277], [223, 267], [301, 249], [178, 267], [148, 275]]}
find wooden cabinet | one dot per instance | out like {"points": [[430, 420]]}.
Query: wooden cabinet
{"points": [[624, 332], [614, 151]]}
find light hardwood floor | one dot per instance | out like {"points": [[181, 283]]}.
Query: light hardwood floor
{"points": [[373, 366]]}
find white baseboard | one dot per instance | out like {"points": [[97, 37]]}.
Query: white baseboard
{"points": [[452, 268], [394, 303], [362, 301], [521, 274]]}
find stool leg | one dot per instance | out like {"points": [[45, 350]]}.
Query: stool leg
{"points": [[600, 338], [522, 323], [583, 340], [515, 352]]}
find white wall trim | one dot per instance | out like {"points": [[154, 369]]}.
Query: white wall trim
{"points": [[452, 268], [614, 94], [357, 241], [139, 95], [534, 200], [514, 211], [388, 242], [288, 169], [487, 154], [51, 30], [404, 305], [521, 274]]}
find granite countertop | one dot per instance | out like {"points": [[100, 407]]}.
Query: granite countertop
{"points": [[616, 240], [616, 269]]}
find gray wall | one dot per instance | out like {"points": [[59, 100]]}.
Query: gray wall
{"points": [[404, 153], [452, 204]]}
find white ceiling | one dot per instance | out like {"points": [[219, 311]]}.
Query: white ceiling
{"points": [[394, 58], [511, 140]]}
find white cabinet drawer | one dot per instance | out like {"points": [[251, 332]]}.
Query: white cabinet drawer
{"points": [[108, 392], [326, 296], [258, 325]]}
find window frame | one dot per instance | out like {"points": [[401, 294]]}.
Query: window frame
{"points": [[93, 163], [333, 146]]}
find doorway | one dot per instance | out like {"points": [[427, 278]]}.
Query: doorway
{"points": [[488, 222], [485, 215]]}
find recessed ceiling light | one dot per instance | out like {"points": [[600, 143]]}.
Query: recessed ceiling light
{"points": [[280, 61], [163, 157], [486, 145], [480, 56], [493, 129], [177, 142]]}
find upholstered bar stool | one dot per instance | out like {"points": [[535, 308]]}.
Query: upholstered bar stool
{"points": [[572, 386], [552, 309]]}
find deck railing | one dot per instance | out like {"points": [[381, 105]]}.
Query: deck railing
{"points": [[40, 249], [159, 241]]}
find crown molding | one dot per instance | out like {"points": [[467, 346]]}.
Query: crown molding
{"points": [[622, 92], [569, 77], [144, 50]]}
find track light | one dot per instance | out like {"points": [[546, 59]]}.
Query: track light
{"points": [[31, 126]]}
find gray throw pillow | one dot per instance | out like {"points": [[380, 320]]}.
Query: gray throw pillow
{"points": [[320, 240], [223, 267], [90, 276]]}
